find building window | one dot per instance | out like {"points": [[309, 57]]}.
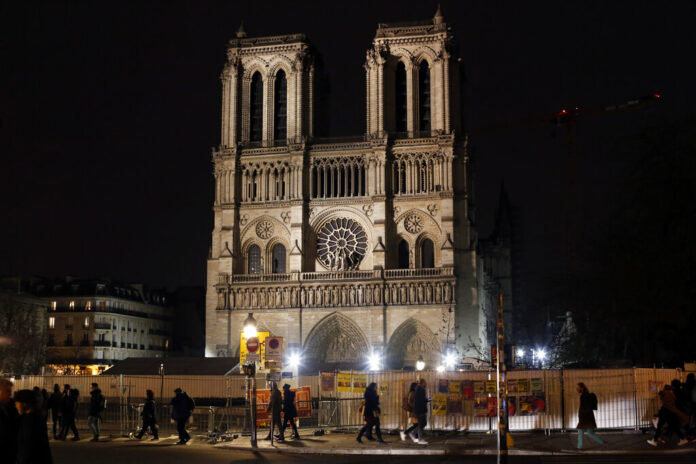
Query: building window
{"points": [[69, 323], [254, 260], [403, 254], [280, 123], [100, 354], [86, 324], [72, 305], [427, 254], [424, 97], [68, 340], [256, 108], [278, 259], [400, 98], [54, 305], [338, 177], [51, 322], [51, 339], [88, 306]]}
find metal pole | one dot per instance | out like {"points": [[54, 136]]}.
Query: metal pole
{"points": [[161, 391], [253, 411], [501, 396]]}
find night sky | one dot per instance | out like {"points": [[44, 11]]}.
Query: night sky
{"points": [[109, 111]]}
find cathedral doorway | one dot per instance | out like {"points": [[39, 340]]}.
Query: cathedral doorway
{"points": [[411, 341], [336, 342]]}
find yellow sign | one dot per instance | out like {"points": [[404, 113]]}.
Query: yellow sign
{"points": [[343, 383], [455, 386], [439, 405], [490, 386], [243, 346], [359, 383]]}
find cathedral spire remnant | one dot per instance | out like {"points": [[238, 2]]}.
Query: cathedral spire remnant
{"points": [[438, 19], [241, 33]]}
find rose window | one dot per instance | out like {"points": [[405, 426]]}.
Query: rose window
{"points": [[414, 224], [341, 244], [264, 229]]}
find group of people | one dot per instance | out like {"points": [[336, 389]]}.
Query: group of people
{"points": [[677, 413], [284, 403]]}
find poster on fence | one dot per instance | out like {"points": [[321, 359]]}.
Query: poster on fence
{"points": [[526, 405], [490, 386], [303, 401], [454, 404], [479, 386], [481, 405], [443, 386], [512, 387], [467, 389], [511, 405], [455, 386], [359, 383], [303, 404], [328, 381], [343, 383], [492, 407], [539, 402], [439, 405], [523, 385], [537, 385], [263, 397]]}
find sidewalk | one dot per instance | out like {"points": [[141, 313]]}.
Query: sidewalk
{"points": [[526, 443]]}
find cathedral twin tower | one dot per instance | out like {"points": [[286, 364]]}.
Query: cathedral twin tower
{"points": [[345, 247]]}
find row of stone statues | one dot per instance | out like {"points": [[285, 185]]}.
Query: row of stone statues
{"points": [[337, 295]]}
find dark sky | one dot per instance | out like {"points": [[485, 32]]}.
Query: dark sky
{"points": [[109, 110]]}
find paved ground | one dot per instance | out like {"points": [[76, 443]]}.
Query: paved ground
{"points": [[121, 450]]}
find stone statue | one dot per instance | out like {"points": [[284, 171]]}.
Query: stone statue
{"points": [[377, 295], [293, 296], [368, 294], [429, 293], [360, 295], [438, 293], [411, 294], [253, 299], [352, 295], [320, 296], [448, 290], [303, 297], [420, 293], [402, 294]]}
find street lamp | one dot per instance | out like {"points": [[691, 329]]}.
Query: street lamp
{"points": [[250, 327], [450, 359], [294, 360], [420, 364], [250, 332], [374, 361], [520, 353]]}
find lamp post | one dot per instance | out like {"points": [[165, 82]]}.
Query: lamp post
{"points": [[420, 364], [250, 332]]}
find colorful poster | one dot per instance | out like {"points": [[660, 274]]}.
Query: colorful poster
{"points": [[537, 385], [523, 385], [439, 405], [492, 407], [539, 402], [511, 405], [443, 386], [454, 404], [490, 386], [526, 405], [383, 389], [512, 387], [479, 387], [262, 399], [303, 401], [359, 383], [328, 382], [481, 405], [455, 386], [467, 389], [343, 383]]}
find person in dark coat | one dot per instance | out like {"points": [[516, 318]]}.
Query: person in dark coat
{"points": [[32, 438], [275, 406], [420, 409], [676, 419], [586, 419], [68, 411], [97, 404], [409, 405], [182, 408], [289, 411], [371, 413], [54, 405], [149, 417], [9, 423]]}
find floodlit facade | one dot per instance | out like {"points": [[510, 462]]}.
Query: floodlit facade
{"points": [[346, 247]]}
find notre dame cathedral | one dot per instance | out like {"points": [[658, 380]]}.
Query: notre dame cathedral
{"points": [[349, 246]]}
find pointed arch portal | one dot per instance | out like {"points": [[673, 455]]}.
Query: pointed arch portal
{"points": [[336, 342], [411, 340]]}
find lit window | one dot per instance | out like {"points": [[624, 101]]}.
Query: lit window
{"points": [[54, 305], [86, 322], [51, 322], [72, 305], [101, 305], [88, 306]]}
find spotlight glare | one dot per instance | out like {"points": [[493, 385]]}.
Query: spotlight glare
{"points": [[374, 362], [541, 354], [520, 353], [294, 360]]}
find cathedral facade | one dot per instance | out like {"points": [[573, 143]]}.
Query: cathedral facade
{"points": [[345, 247]]}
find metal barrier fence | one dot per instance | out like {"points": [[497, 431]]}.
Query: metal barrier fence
{"points": [[628, 398]]}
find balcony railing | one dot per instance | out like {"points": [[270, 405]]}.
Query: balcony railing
{"points": [[102, 343], [102, 326], [422, 272], [225, 278], [340, 275]]}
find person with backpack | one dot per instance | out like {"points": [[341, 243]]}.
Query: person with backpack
{"points": [[289, 412], [149, 417], [371, 413], [54, 406], [409, 405], [182, 408], [97, 404], [586, 419]]}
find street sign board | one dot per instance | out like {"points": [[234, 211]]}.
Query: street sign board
{"points": [[274, 349], [253, 357], [261, 336], [252, 345]]}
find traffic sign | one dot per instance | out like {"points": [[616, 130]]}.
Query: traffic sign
{"points": [[252, 345], [274, 349]]}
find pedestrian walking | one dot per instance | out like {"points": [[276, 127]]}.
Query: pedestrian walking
{"points": [[32, 437], [54, 405], [371, 413], [420, 409], [275, 406], [9, 423], [68, 411], [289, 412], [690, 391], [670, 415], [97, 404], [586, 419], [149, 417], [182, 408], [409, 406]]}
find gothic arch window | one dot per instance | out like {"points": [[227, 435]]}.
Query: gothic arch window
{"points": [[280, 122], [400, 98], [424, 96], [254, 260], [403, 254], [427, 253], [256, 108], [278, 259]]}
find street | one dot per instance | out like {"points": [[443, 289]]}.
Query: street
{"points": [[133, 452]]}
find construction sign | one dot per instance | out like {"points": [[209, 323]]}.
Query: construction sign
{"points": [[244, 351]]}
